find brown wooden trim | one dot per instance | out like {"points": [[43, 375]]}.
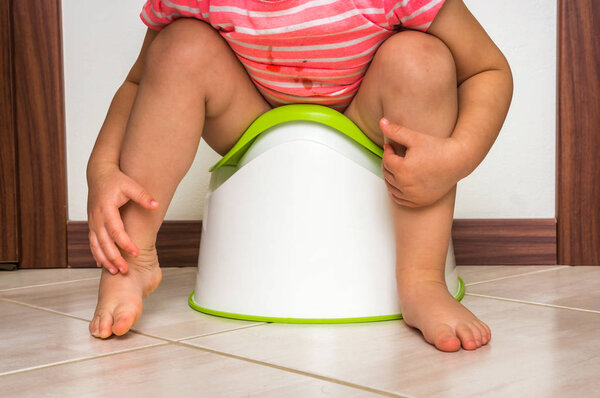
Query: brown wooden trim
{"points": [[39, 120], [482, 242], [578, 135], [8, 170], [504, 241], [177, 244]]}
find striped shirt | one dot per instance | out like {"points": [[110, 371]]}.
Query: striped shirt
{"points": [[301, 51]]}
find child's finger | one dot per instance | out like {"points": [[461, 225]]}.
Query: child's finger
{"points": [[386, 169], [139, 195], [405, 203], [390, 155], [388, 150], [116, 230], [397, 133], [389, 177], [99, 254], [95, 257], [393, 190], [401, 201], [110, 251], [392, 162]]}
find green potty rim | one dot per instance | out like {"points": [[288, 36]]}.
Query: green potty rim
{"points": [[458, 295], [296, 112]]}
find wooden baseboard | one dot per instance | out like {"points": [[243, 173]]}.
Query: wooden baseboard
{"points": [[504, 241], [177, 244], [476, 242]]}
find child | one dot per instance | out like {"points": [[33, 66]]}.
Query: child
{"points": [[435, 101]]}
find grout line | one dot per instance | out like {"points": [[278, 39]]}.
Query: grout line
{"points": [[183, 343], [222, 331], [49, 284], [80, 318], [292, 370], [44, 309], [81, 359], [518, 275], [167, 342], [166, 269], [132, 330], [556, 306]]}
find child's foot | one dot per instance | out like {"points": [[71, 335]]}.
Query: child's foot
{"points": [[444, 322], [120, 295]]}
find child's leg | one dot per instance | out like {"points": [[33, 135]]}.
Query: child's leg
{"points": [[412, 82], [192, 86]]}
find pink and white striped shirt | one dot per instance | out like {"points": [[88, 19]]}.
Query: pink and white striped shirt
{"points": [[301, 51]]}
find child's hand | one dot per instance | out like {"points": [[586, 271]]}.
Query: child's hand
{"points": [[418, 168], [109, 189]]}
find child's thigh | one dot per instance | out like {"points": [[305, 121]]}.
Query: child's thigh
{"points": [[194, 51]]}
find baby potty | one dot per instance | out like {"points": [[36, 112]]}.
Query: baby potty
{"points": [[297, 225]]}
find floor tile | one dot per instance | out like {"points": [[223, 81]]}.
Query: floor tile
{"points": [[577, 287], [170, 371], [31, 337], [535, 352], [471, 274], [166, 312], [29, 277]]}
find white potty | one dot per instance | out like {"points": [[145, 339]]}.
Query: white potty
{"points": [[297, 225]]}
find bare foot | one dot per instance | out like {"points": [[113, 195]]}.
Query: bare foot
{"points": [[120, 295], [444, 322]]}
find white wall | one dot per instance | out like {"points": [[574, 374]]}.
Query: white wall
{"points": [[516, 180]]}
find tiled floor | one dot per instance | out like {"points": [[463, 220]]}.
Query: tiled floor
{"points": [[545, 322]]}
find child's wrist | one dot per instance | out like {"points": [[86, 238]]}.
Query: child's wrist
{"points": [[96, 166]]}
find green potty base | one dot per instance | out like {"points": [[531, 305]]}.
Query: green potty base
{"points": [[458, 295], [233, 162]]}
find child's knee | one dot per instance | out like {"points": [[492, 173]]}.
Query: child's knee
{"points": [[185, 45], [415, 58]]}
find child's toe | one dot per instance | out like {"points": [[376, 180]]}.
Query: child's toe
{"points": [[93, 327], [475, 329], [446, 340], [465, 334], [105, 326], [125, 316]]}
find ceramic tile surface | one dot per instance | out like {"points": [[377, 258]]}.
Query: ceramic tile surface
{"points": [[472, 274], [170, 371], [28, 277], [532, 349], [166, 313], [577, 287], [31, 337], [544, 319]]}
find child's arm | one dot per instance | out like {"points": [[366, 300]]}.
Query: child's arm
{"points": [[484, 81], [484, 94], [109, 188]]}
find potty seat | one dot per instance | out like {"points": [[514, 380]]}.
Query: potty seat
{"points": [[297, 225]]}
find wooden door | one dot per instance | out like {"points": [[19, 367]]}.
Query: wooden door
{"points": [[8, 162], [33, 212], [578, 135]]}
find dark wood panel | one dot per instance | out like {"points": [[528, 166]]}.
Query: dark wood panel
{"points": [[482, 242], [578, 138], [40, 133], [177, 244], [504, 241], [8, 170]]}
